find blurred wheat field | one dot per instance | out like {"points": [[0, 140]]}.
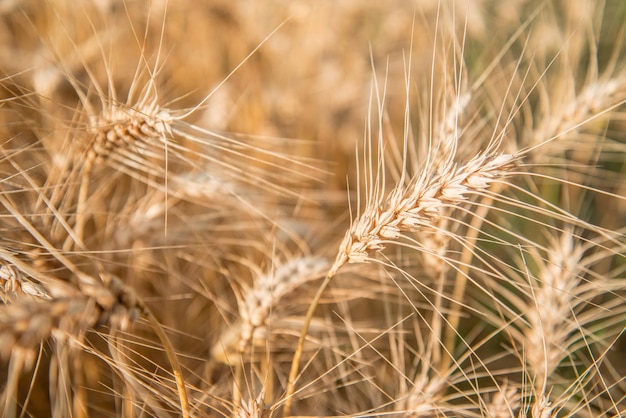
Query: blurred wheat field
{"points": [[313, 208]]}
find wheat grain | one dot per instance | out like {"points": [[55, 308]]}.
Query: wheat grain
{"points": [[13, 282]]}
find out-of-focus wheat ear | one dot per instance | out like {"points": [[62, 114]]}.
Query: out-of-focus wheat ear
{"points": [[116, 132], [566, 113], [424, 397], [267, 291], [260, 309], [259, 306], [121, 308], [463, 388], [62, 317], [254, 408], [541, 407], [558, 327], [505, 403], [25, 324], [560, 278]]}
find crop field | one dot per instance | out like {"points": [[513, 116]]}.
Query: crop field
{"points": [[312, 208]]}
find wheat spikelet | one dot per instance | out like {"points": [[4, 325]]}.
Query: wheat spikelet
{"points": [[542, 408], [14, 283], [127, 128], [254, 408]]}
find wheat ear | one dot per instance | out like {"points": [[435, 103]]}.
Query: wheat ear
{"points": [[109, 293], [547, 334], [504, 402], [405, 209]]}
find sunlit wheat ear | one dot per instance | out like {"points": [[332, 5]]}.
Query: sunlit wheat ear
{"points": [[448, 142], [412, 207]]}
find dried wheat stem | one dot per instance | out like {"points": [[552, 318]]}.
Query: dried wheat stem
{"points": [[81, 208], [9, 394], [295, 363], [460, 283], [132, 305]]}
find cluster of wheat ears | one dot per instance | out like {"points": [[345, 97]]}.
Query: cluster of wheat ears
{"points": [[313, 208]]}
